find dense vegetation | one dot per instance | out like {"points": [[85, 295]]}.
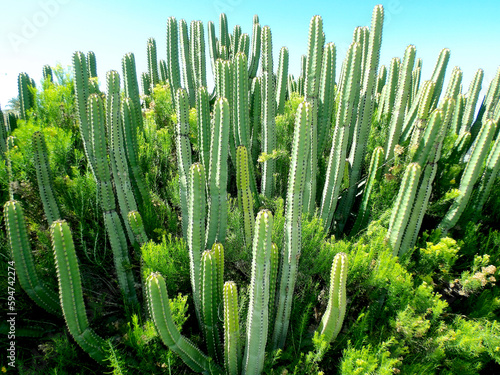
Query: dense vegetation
{"points": [[357, 218]]}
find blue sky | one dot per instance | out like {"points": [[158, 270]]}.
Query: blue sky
{"points": [[38, 32]]}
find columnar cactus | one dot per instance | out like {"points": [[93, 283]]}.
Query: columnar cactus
{"points": [[281, 81], [209, 303], [401, 101], [197, 54], [203, 121], [71, 294], [170, 335], [232, 344], [470, 175], [472, 97], [186, 67], [26, 99], [44, 178], [47, 73], [254, 57], [131, 88], [268, 106], [349, 89], [438, 75], [326, 95], [245, 199], [91, 64], [401, 211], [25, 266], [293, 220], [332, 320], [218, 175], [258, 305], [388, 97], [173, 57], [152, 62]]}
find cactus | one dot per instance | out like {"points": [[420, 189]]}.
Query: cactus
{"points": [[245, 200], [44, 178], [438, 76], [71, 294], [26, 99], [152, 62], [218, 175], [365, 110], [326, 95], [135, 221], [458, 112], [25, 266], [388, 96], [232, 344], [400, 213], [209, 304], [160, 311], [212, 45], [332, 320], [470, 175], [403, 93], [203, 121], [281, 81], [187, 71], [374, 174], [91, 64], [173, 58], [163, 75], [293, 219], [255, 124], [311, 91], [254, 57], [47, 73], [381, 79], [197, 50], [258, 306], [433, 128], [196, 228], [470, 105], [146, 84], [455, 84], [131, 88], [349, 89]]}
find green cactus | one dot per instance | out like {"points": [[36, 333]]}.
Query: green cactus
{"points": [[281, 79], [455, 83], [232, 344], [388, 96], [255, 124], [209, 303], [26, 98], [131, 88], [91, 64], [401, 210], [47, 73], [381, 79], [146, 84], [332, 320], [173, 57], [160, 311], [163, 75], [212, 46], [25, 266], [258, 306], [401, 101], [197, 50], [374, 174], [268, 119], [187, 71], [472, 97], [293, 220], [470, 175], [428, 140], [438, 76], [196, 229], [135, 221], [44, 178], [245, 199], [203, 121], [218, 174], [326, 95], [349, 89], [254, 57], [152, 62], [458, 112], [71, 294]]}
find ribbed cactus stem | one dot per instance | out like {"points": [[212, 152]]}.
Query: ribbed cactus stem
{"points": [[173, 57], [386, 104], [281, 81], [455, 83], [273, 282], [472, 97], [374, 174], [332, 320], [131, 88], [187, 71], [209, 303], [26, 99], [401, 101], [255, 124], [169, 333], [349, 89], [232, 344], [47, 73], [431, 133], [196, 228], [91, 64], [293, 222], [212, 45], [218, 175], [183, 146], [245, 199], [381, 79], [401, 210], [197, 55], [258, 308], [146, 84], [255, 50], [326, 95], [152, 62], [438, 76], [81, 77], [163, 71], [44, 178], [470, 175], [489, 175], [71, 294], [458, 113], [203, 121], [135, 221], [25, 266], [268, 113]]}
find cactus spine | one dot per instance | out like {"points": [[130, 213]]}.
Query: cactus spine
{"points": [[472, 96], [326, 95], [25, 266], [187, 71], [71, 294], [281, 81], [245, 199], [258, 310], [332, 320], [173, 57], [232, 344]]}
